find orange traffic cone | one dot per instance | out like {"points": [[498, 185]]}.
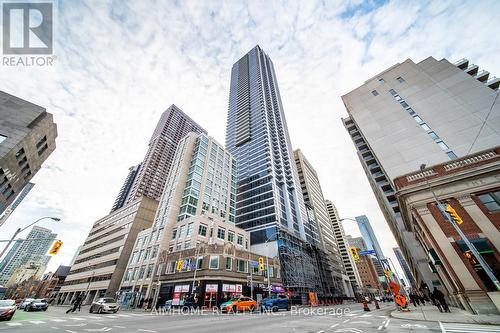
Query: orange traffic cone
{"points": [[365, 305]]}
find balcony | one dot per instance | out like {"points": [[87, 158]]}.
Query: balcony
{"points": [[472, 69], [482, 75], [493, 83], [462, 63]]}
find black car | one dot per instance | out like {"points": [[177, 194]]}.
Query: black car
{"points": [[37, 305], [7, 309]]}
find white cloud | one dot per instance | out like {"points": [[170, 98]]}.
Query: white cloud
{"points": [[121, 64]]}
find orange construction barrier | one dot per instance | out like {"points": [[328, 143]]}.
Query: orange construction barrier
{"points": [[365, 305]]}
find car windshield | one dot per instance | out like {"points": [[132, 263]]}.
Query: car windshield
{"points": [[29, 300], [236, 299], [7, 302], [40, 301], [108, 300]]}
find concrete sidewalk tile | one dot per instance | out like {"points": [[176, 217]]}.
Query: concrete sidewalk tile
{"points": [[431, 313]]}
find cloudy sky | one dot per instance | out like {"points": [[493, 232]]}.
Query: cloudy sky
{"points": [[121, 63]]}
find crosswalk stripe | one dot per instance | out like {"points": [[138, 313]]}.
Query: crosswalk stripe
{"points": [[123, 315], [14, 324], [37, 322], [77, 318], [58, 320]]}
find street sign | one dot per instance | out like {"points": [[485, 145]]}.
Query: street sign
{"points": [[365, 252]]}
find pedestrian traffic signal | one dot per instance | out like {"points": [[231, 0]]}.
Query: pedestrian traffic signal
{"points": [[261, 264], [55, 247], [453, 214], [354, 253]]}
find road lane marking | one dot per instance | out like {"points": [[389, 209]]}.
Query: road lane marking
{"points": [[14, 324], [334, 325], [58, 320], [119, 326], [387, 323], [55, 328], [142, 330], [37, 322], [71, 331]]}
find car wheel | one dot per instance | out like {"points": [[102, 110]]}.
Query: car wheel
{"points": [[234, 309], [275, 308], [99, 310], [45, 309], [252, 308], [91, 310], [115, 311]]}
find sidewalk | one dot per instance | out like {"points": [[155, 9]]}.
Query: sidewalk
{"points": [[431, 313]]}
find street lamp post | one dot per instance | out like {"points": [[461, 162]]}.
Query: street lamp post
{"points": [[459, 231], [196, 253], [19, 230]]}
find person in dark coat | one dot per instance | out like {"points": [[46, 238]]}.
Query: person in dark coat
{"points": [[76, 304], [439, 296]]}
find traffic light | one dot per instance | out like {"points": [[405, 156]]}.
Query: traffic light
{"points": [[261, 264], [354, 253], [388, 273], [179, 265], [453, 214], [55, 247]]}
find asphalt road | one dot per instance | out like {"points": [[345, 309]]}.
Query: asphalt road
{"points": [[337, 319]]}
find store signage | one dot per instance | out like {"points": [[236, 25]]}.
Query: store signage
{"points": [[232, 288], [277, 289], [211, 288], [181, 288]]}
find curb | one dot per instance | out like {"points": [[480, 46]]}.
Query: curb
{"points": [[445, 320]]}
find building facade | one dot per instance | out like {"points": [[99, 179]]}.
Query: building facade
{"points": [[150, 179], [366, 268], [27, 138], [332, 266], [32, 251], [121, 198], [415, 113], [470, 185], [10, 209], [404, 265], [349, 265], [201, 185], [371, 242], [269, 202], [101, 262]]}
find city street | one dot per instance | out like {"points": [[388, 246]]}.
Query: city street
{"points": [[334, 319]]}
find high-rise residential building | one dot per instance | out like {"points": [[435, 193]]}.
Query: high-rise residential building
{"points": [[469, 186], [371, 242], [197, 209], [32, 251], [27, 138], [429, 112], [152, 174], [102, 259], [269, 202], [332, 268], [16, 244], [121, 198], [348, 262], [404, 265], [15, 203]]}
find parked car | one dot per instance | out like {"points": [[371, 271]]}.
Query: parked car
{"points": [[7, 309], [37, 305], [275, 303], [25, 302], [240, 303], [104, 305]]}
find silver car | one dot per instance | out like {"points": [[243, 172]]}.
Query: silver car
{"points": [[104, 305], [25, 302]]}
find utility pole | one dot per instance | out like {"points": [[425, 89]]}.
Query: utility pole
{"points": [[472, 248]]}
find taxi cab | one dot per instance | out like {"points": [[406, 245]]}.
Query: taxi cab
{"points": [[240, 303]]}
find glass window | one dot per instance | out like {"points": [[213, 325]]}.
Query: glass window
{"points": [[400, 79], [425, 127], [433, 135], [187, 244], [410, 111], [375, 93], [242, 266], [240, 240], [182, 231], [221, 233], [230, 236], [190, 229], [418, 119], [229, 263], [404, 104], [392, 92], [149, 272], [214, 262], [451, 155], [174, 233], [398, 98], [491, 200], [202, 230], [381, 80], [199, 263], [442, 145]]}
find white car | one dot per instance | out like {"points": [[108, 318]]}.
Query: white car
{"points": [[104, 305], [25, 302]]}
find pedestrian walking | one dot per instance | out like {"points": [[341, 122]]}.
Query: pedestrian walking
{"points": [[439, 296], [75, 304]]}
